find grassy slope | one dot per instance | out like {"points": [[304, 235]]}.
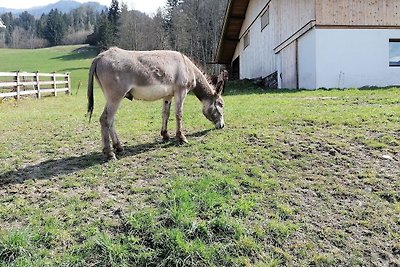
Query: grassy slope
{"points": [[296, 178], [73, 59]]}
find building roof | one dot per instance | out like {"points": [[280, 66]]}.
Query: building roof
{"points": [[234, 16]]}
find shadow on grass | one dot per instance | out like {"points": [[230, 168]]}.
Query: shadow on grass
{"points": [[73, 69], [52, 168], [86, 52], [247, 87]]}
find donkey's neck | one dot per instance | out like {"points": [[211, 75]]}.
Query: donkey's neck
{"points": [[203, 90]]}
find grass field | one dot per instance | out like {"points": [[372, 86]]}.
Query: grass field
{"points": [[296, 178]]}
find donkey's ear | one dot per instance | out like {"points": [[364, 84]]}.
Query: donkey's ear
{"points": [[219, 87]]}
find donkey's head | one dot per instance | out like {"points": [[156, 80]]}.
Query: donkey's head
{"points": [[213, 109]]}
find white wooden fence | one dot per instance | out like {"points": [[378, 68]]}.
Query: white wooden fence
{"points": [[17, 84]]}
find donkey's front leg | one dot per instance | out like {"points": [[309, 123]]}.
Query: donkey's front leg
{"points": [[179, 99], [165, 116]]}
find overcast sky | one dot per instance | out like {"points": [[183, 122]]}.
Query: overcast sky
{"points": [[148, 6]]}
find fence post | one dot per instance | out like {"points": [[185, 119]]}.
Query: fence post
{"points": [[36, 77], [16, 78], [54, 83], [68, 82]]}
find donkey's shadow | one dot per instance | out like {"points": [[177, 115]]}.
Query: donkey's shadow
{"points": [[52, 168]]}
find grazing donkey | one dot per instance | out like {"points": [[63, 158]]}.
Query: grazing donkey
{"points": [[149, 76]]}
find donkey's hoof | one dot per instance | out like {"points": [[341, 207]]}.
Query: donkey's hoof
{"points": [[119, 149], [165, 136], [109, 155], [182, 140], [113, 158]]}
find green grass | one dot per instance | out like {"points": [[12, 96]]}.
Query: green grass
{"points": [[297, 178], [63, 59]]}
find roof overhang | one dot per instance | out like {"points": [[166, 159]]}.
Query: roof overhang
{"points": [[234, 16]]}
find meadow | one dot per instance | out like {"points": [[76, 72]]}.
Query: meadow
{"points": [[296, 178]]}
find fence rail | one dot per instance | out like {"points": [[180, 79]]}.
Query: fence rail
{"points": [[17, 84]]}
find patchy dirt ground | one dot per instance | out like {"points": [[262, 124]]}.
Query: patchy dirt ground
{"points": [[295, 179]]}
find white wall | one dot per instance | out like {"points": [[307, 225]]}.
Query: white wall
{"points": [[330, 58], [258, 59], [348, 58], [307, 61]]}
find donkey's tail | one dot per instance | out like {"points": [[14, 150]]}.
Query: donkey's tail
{"points": [[92, 73]]}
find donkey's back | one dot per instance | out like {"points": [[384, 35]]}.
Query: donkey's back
{"points": [[157, 71]]}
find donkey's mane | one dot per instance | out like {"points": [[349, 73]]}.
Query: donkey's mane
{"points": [[207, 76]]}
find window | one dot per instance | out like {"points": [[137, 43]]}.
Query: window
{"points": [[246, 39], [265, 19], [394, 52]]}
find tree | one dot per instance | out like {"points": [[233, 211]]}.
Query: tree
{"points": [[136, 31], [161, 39], [105, 35], [114, 15], [55, 27], [190, 26], [108, 26], [8, 20], [127, 29], [170, 22], [193, 26], [26, 21], [26, 31]]}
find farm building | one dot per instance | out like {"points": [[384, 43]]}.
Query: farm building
{"points": [[2, 24], [313, 43]]}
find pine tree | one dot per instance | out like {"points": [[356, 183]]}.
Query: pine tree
{"points": [[170, 20], [105, 34], [55, 27], [114, 15]]}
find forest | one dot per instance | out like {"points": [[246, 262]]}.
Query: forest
{"points": [[189, 26]]}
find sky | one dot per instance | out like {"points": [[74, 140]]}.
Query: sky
{"points": [[394, 52], [147, 6]]}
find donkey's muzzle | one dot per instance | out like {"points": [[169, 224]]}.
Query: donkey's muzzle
{"points": [[219, 125]]}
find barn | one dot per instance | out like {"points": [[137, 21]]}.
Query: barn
{"points": [[313, 43], [2, 24]]}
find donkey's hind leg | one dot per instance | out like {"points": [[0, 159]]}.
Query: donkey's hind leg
{"points": [[115, 140], [107, 130], [165, 116], [179, 99]]}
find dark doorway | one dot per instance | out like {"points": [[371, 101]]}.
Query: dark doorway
{"points": [[235, 75]]}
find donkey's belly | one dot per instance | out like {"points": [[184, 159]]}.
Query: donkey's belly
{"points": [[152, 92]]}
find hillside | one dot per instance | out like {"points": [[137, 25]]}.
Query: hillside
{"points": [[64, 6], [74, 59], [296, 178]]}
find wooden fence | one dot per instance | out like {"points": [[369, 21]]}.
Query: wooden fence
{"points": [[17, 84]]}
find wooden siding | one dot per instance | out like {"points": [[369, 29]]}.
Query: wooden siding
{"points": [[286, 18], [288, 58], [253, 61], [291, 16], [358, 12]]}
